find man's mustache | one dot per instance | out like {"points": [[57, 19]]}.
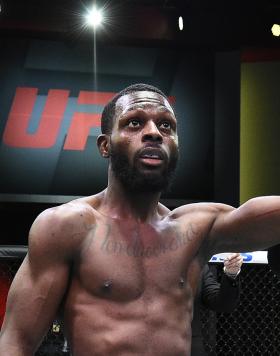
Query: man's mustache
{"points": [[152, 151]]}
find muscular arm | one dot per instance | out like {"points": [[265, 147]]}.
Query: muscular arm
{"points": [[220, 297], [37, 288], [255, 225]]}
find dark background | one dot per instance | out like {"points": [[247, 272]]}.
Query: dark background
{"points": [[43, 45]]}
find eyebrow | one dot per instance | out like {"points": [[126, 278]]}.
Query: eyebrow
{"points": [[161, 108]]}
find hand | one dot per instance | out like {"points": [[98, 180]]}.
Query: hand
{"points": [[233, 263]]}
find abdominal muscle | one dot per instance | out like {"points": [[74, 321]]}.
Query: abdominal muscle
{"points": [[155, 323]]}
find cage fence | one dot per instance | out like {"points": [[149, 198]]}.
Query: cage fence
{"points": [[253, 328]]}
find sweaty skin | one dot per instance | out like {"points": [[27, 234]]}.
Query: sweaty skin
{"points": [[120, 267]]}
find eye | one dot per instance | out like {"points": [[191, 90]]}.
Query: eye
{"points": [[165, 125], [134, 123]]}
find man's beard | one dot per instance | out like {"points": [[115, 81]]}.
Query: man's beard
{"points": [[136, 181]]}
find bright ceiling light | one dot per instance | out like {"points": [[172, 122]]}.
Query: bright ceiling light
{"points": [[94, 17], [181, 23], [275, 29]]}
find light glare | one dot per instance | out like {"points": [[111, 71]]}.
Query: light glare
{"points": [[94, 17], [181, 23], [275, 29]]}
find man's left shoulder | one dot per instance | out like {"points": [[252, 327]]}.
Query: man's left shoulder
{"points": [[201, 209]]}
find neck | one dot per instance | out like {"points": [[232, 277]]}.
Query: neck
{"points": [[120, 202]]}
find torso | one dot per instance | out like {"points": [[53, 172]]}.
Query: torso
{"points": [[132, 287]]}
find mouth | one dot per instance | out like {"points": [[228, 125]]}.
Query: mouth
{"points": [[151, 156]]}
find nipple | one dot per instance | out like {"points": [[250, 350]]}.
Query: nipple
{"points": [[181, 282], [107, 286]]}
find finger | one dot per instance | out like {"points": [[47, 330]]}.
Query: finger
{"points": [[234, 256], [233, 261], [238, 259], [233, 265]]}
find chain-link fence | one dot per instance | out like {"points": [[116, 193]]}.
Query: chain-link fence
{"points": [[253, 328]]}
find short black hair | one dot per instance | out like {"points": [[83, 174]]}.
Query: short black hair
{"points": [[108, 112]]}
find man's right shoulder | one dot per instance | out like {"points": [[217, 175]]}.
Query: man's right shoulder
{"points": [[64, 226]]}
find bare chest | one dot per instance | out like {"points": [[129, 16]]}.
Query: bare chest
{"points": [[121, 262]]}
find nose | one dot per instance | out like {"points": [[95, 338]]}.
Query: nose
{"points": [[151, 133]]}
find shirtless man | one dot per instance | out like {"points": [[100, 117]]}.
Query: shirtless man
{"points": [[121, 266]]}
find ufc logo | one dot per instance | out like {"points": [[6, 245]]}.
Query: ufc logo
{"points": [[16, 130]]}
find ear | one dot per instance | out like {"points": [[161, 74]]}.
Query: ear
{"points": [[103, 143]]}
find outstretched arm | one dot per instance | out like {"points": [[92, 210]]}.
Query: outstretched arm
{"points": [[255, 225], [37, 289]]}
